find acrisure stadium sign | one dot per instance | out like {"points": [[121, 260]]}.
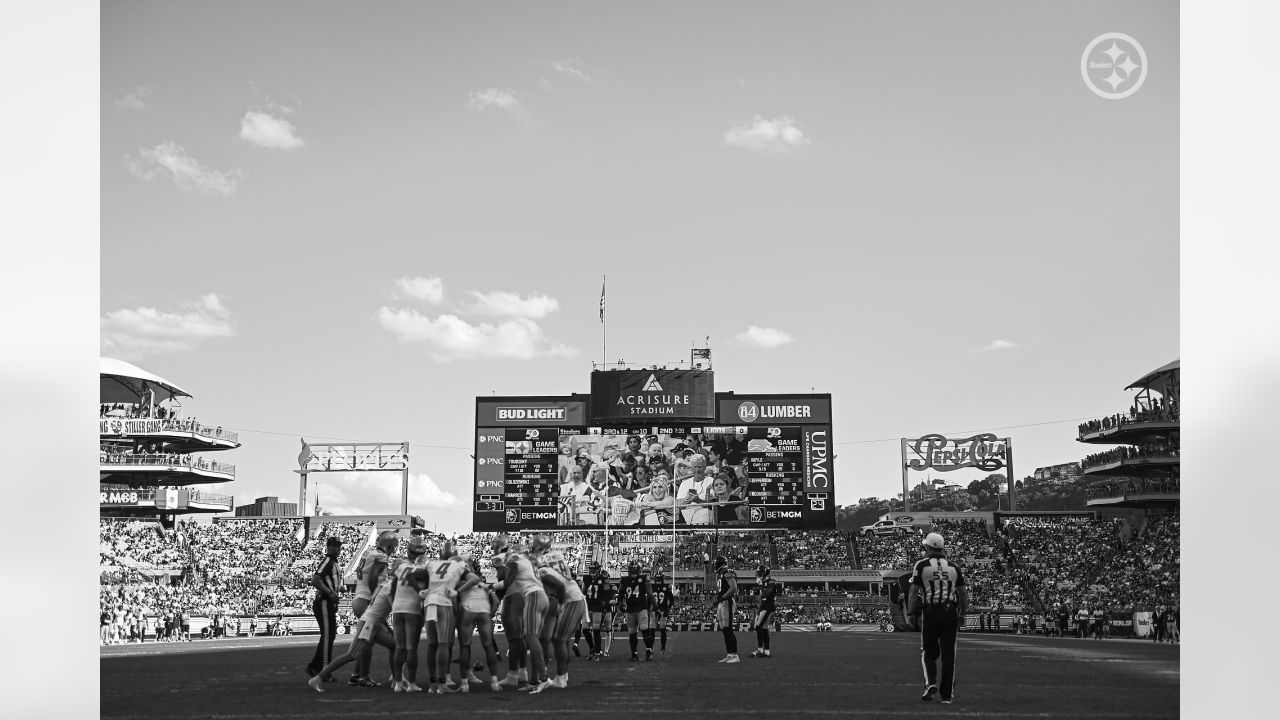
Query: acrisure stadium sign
{"points": [[652, 394]]}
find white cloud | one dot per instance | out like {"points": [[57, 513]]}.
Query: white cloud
{"points": [[420, 288], [452, 337], [134, 333], [185, 171], [999, 345], [497, 98], [367, 493], [505, 304], [269, 131], [768, 136], [136, 99], [763, 337], [573, 66]]}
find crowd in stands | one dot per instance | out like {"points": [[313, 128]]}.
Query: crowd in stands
{"points": [[133, 411], [813, 549], [115, 454], [1142, 573], [1131, 452], [169, 420], [138, 542], [1135, 486], [1041, 566], [1157, 412], [888, 552]]}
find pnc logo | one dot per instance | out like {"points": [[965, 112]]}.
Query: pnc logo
{"points": [[652, 384], [748, 412]]}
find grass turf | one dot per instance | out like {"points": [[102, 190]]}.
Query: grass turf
{"points": [[811, 675]]}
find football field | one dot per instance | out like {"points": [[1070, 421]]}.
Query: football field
{"points": [[811, 675]]}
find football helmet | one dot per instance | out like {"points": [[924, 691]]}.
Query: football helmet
{"points": [[633, 569], [448, 550], [594, 568], [762, 572], [387, 542], [417, 546], [539, 544], [721, 562]]}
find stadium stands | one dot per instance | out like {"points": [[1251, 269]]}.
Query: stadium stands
{"points": [[247, 566]]}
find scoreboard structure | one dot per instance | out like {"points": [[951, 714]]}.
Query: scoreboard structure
{"points": [[559, 462]]}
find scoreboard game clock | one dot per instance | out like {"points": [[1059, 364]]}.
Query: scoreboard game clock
{"points": [[529, 448]]}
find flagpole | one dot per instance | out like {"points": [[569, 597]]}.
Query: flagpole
{"points": [[604, 326]]}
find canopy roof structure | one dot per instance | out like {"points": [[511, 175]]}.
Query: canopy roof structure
{"points": [[1156, 378], [121, 382]]}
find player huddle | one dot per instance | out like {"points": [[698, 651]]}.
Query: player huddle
{"points": [[544, 607]]}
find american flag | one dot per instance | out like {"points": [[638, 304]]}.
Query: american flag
{"points": [[602, 284]]}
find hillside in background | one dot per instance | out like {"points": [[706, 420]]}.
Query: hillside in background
{"points": [[981, 495]]}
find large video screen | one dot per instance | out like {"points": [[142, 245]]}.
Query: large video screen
{"points": [[563, 476]]}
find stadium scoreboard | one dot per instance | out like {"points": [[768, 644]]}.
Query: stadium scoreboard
{"points": [[549, 462]]}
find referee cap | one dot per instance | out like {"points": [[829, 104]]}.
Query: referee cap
{"points": [[934, 541]]}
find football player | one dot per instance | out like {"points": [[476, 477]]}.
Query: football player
{"points": [[725, 601], [479, 605], [571, 606], [663, 600], [593, 586], [406, 615], [520, 581], [371, 628], [636, 598], [369, 573], [444, 578], [768, 591]]}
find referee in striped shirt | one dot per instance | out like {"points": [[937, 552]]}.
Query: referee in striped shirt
{"points": [[937, 586], [325, 607]]}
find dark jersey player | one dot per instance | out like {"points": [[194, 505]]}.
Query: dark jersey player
{"points": [[768, 604], [635, 596], [663, 601], [593, 589], [726, 596]]}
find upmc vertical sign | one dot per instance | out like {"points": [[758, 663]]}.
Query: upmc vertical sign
{"points": [[817, 460], [819, 477]]}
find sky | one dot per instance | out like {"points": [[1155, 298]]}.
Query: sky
{"points": [[346, 222]]}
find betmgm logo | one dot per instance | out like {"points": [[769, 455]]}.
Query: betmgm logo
{"points": [[757, 514], [513, 516], [748, 412]]}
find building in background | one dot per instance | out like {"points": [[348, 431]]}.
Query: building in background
{"points": [[268, 507], [1144, 470], [148, 465]]}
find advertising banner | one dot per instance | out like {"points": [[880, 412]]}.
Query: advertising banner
{"points": [[942, 454], [774, 409], [1142, 624], [117, 497], [652, 394], [526, 412]]}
